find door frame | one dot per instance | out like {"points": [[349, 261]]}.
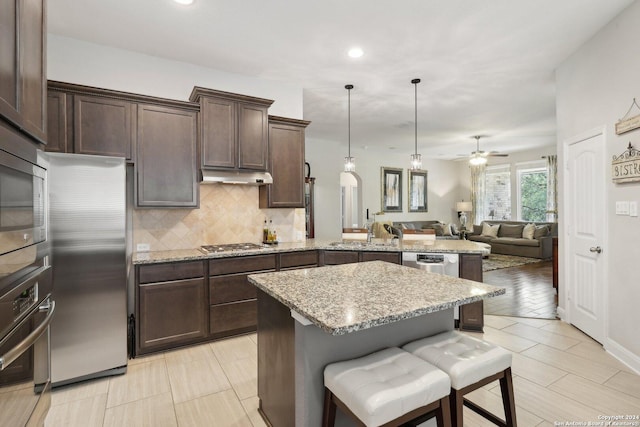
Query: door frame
{"points": [[565, 247]]}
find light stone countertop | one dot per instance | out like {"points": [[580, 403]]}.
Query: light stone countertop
{"points": [[437, 246], [347, 298]]}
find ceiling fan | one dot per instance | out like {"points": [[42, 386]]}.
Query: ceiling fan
{"points": [[479, 157]]}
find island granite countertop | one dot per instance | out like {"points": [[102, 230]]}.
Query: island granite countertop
{"points": [[437, 246], [341, 299]]}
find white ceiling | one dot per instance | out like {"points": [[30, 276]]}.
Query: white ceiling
{"points": [[487, 67]]}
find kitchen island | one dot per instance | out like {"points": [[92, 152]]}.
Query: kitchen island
{"points": [[311, 317]]}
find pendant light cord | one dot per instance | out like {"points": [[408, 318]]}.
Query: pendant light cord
{"points": [[349, 87], [415, 122]]}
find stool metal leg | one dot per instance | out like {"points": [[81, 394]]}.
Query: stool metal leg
{"points": [[329, 410], [508, 400]]}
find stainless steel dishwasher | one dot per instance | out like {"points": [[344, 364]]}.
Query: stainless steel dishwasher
{"points": [[440, 263]]}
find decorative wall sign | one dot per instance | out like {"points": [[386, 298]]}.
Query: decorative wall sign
{"points": [[627, 123], [391, 189], [626, 166]]}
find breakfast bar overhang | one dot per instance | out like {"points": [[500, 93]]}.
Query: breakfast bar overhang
{"points": [[312, 317]]}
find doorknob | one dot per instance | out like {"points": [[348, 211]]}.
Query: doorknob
{"points": [[597, 249]]}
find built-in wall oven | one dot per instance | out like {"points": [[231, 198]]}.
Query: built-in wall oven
{"points": [[26, 308]]}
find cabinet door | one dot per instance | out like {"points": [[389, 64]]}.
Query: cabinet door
{"points": [[218, 133], [471, 315], [103, 126], [166, 157], [253, 137], [286, 148], [9, 60], [33, 85], [340, 257], [171, 313], [57, 136], [22, 65]]}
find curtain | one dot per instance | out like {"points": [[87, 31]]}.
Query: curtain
{"points": [[477, 193], [552, 188]]}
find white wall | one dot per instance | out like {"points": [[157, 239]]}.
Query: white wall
{"points": [[327, 160], [595, 87], [74, 61]]}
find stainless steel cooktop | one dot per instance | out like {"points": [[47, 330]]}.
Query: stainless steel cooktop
{"points": [[209, 249]]}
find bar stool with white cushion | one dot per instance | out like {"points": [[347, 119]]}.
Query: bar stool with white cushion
{"points": [[470, 363], [387, 388]]}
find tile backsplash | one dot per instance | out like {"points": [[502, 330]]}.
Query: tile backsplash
{"points": [[227, 214]]}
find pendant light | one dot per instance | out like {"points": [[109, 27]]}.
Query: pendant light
{"points": [[349, 162], [416, 159]]}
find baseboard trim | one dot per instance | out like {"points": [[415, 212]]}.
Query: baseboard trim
{"points": [[561, 314], [623, 355]]}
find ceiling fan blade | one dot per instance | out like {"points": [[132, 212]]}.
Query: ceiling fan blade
{"points": [[498, 155]]}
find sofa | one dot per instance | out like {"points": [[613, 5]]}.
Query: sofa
{"points": [[510, 240], [439, 227]]}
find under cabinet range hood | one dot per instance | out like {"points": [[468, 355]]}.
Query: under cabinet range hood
{"points": [[236, 177]]}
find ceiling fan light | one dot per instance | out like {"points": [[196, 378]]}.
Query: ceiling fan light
{"points": [[477, 160]]}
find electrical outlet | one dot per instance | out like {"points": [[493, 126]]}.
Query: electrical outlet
{"points": [[633, 208], [299, 236], [143, 247]]}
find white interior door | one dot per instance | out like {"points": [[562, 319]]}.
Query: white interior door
{"points": [[585, 204]]}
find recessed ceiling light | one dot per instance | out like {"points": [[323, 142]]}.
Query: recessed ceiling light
{"points": [[355, 52], [184, 2]]}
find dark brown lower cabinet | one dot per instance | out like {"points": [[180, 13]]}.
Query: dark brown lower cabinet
{"points": [[232, 298], [171, 306], [471, 315], [347, 257]]}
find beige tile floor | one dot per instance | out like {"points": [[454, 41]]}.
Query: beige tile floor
{"points": [[560, 375]]}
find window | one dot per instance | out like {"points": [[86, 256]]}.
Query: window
{"points": [[497, 187], [532, 192]]}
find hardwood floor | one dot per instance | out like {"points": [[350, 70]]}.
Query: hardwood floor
{"points": [[530, 292]]}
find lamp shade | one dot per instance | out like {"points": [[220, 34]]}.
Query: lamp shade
{"points": [[464, 207]]}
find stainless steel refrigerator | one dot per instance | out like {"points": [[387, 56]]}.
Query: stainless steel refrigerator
{"points": [[87, 223]]}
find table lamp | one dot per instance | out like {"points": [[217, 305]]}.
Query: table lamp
{"points": [[462, 208]]}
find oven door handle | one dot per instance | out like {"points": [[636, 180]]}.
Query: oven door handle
{"points": [[8, 358]]}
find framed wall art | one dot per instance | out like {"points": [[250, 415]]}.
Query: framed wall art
{"points": [[418, 191], [391, 189]]}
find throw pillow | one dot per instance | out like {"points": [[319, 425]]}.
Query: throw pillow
{"points": [[489, 230], [454, 229], [409, 226], [511, 230], [541, 231], [527, 232], [439, 228], [446, 230]]}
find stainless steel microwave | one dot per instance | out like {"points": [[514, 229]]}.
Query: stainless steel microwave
{"points": [[22, 206]]}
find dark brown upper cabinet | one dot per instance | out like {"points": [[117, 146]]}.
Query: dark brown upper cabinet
{"points": [[103, 126], [23, 70], [166, 166], [233, 130], [286, 164], [87, 120], [58, 139]]}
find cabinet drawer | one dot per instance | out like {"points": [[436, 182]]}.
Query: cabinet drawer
{"points": [[298, 259], [242, 264], [170, 271], [340, 257], [235, 287], [393, 257], [233, 316], [472, 316]]}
